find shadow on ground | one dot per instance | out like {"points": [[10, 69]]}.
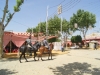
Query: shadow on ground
{"points": [[7, 72], [76, 68], [97, 58]]}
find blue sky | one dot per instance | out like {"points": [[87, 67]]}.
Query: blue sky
{"points": [[34, 11]]}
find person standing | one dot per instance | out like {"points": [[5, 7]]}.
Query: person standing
{"points": [[95, 46], [62, 47]]}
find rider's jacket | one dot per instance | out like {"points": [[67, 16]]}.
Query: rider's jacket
{"points": [[28, 41], [45, 42]]}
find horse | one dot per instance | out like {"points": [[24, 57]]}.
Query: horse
{"points": [[43, 50], [25, 48]]}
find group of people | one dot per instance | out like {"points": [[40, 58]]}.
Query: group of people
{"points": [[43, 42]]}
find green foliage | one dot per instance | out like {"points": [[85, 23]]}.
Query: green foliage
{"points": [[41, 27], [73, 39], [84, 19], [16, 9], [18, 4], [76, 39], [58, 40], [29, 30], [54, 40], [54, 25], [8, 17]]}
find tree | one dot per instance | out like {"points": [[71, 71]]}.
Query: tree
{"points": [[84, 19], [54, 25], [73, 39], [66, 28], [76, 39], [7, 16]]}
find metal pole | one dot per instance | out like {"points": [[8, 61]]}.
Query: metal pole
{"points": [[32, 34], [59, 12], [61, 29], [39, 28], [47, 22]]}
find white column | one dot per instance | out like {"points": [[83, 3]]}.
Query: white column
{"points": [[61, 29], [47, 22]]}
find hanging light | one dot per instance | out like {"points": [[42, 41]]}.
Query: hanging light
{"points": [[75, 25], [90, 27]]}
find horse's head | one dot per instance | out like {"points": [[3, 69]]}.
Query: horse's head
{"points": [[36, 45]]}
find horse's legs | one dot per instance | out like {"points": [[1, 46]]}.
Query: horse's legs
{"points": [[20, 58], [30, 53], [38, 57], [25, 57], [51, 55], [35, 55], [48, 55], [41, 56]]}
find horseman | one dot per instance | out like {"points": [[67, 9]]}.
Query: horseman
{"points": [[46, 44], [29, 45], [29, 42]]}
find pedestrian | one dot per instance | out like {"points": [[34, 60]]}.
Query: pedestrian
{"points": [[95, 48], [62, 47]]}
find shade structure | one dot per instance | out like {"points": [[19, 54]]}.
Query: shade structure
{"points": [[6, 39], [18, 41], [19, 38]]}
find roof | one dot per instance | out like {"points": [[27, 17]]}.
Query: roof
{"points": [[93, 36]]}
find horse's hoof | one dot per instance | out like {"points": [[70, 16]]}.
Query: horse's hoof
{"points": [[20, 62], [26, 61], [48, 59]]}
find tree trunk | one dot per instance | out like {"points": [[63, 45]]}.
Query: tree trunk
{"points": [[84, 40], [1, 40]]}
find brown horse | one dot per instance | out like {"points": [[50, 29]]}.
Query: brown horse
{"points": [[44, 50]]}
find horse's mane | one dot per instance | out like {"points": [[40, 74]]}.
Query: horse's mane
{"points": [[35, 44]]}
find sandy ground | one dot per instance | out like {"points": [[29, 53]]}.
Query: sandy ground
{"points": [[71, 62]]}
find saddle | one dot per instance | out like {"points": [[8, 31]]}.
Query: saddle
{"points": [[46, 50]]}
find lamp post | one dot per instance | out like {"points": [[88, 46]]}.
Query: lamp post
{"points": [[47, 22], [90, 27], [59, 12]]}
